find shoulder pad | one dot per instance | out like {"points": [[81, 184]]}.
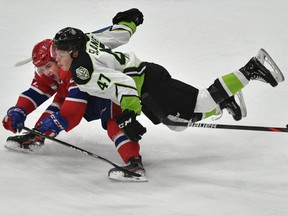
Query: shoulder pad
{"points": [[82, 68]]}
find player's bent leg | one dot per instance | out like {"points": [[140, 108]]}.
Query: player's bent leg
{"points": [[129, 152]]}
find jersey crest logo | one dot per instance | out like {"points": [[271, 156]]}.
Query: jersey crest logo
{"points": [[82, 73]]}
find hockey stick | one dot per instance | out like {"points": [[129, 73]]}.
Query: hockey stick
{"points": [[25, 61], [81, 150], [166, 121], [102, 29], [158, 113]]}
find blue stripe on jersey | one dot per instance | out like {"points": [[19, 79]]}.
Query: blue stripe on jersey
{"points": [[35, 96], [74, 92], [52, 109]]}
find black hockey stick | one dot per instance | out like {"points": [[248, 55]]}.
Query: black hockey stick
{"points": [[158, 113], [102, 29], [81, 150], [166, 121]]}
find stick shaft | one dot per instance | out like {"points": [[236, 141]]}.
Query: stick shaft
{"points": [[81, 150], [25, 61], [225, 126]]}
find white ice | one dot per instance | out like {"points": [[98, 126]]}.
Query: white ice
{"points": [[198, 172]]}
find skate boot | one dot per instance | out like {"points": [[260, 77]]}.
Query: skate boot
{"points": [[134, 165], [236, 110], [255, 70], [27, 143]]}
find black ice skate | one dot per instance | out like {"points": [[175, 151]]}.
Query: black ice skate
{"points": [[236, 110], [135, 165], [27, 143], [255, 69]]}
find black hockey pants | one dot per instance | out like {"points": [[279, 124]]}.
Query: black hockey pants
{"points": [[172, 96]]}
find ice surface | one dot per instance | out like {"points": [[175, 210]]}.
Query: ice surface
{"points": [[198, 172]]}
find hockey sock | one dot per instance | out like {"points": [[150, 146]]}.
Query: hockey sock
{"points": [[215, 111], [200, 116], [227, 85], [129, 150], [125, 147]]}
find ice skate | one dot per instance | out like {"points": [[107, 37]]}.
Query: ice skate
{"points": [[270, 64], [135, 165], [27, 143], [255, 69], [238, 111]]}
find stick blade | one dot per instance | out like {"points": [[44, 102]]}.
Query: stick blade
{"points": [[23, 62]]}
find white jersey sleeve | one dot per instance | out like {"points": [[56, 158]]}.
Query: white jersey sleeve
{"points": [[115, 36]]}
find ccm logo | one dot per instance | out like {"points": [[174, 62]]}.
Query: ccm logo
{"points": [[124, 124]]}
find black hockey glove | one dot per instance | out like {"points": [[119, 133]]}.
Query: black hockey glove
{"points": [[133, 15], [130, 126]]}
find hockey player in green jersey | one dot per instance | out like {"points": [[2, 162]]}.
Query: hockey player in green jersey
{"points": [[125, 79]]}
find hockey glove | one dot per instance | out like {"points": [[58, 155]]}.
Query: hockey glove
{"points": [[132, 15], [14, 120], [52, 125], [130, 126]]}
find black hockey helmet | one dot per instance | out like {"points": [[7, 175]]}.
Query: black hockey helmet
{"points": [[69, 39]]}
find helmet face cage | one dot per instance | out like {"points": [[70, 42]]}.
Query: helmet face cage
{"points": [[69, 39]]}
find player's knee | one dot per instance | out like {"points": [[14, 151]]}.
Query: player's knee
{"points": [[205, 102]]}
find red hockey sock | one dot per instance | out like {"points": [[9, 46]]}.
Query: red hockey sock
{"points": [[125, 147]]}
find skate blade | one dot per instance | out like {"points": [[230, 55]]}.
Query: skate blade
{"points": [[265, 59], [242, 104], [10, 145], [119, 176]]}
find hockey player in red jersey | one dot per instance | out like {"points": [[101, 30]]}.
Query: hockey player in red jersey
{"points": [[67, 109], [42, 88], [125, 79]]}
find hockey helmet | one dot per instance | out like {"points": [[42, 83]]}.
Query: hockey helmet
{"points": [[41, 53], [69, 39]]}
